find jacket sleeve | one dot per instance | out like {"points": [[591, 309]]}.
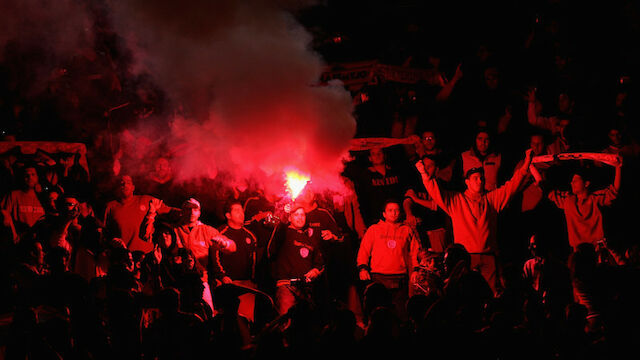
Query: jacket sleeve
{"points": [[364, 252], [215, 265], [414, 249], [499, 198], [441, 197], [606, 197], [558, 197], [318, 259]]}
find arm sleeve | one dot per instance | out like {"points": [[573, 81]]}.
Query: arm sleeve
{"points": [[607, 196], [364, 252], [277, 238], [558, 198], [499, 198], [358, 222], [318, 259], [332, 225], [441, 198], [216, 268], [414, 249], [542, 122], [219, 241], [147, 226]]}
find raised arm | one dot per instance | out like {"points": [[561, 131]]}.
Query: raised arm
{"points": [[433, 189], [447, 89], [618, 178], [501, 196], [607, 196], [534, 117]]}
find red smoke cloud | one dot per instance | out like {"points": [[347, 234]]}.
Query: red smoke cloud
{"points": [[243, 76]]}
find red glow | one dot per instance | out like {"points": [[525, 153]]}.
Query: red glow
{"points": [[296, 182]]}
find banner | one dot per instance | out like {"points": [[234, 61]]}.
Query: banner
{"points": [[609, 159], [50, 147], [402, 74], [357, 74], [360, 144], [352, 75]]}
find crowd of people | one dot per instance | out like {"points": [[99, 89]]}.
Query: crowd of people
{"points": [[503, 227]]}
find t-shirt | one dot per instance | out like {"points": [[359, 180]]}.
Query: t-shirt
{"points": [[584, 219], [24, 207], [239, 265], [123, 220], [297, 253]]}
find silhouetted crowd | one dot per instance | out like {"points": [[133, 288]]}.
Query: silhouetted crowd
{"points": [[466, 231]]}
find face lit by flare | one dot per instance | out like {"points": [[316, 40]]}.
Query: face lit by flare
{"points": [[298, 218]]}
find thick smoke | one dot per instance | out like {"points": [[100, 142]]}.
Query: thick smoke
{"points": [[241, 76], [39, 36]]}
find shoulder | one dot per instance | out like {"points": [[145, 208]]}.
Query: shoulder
{"points": [[249, 233], [466, 153]]}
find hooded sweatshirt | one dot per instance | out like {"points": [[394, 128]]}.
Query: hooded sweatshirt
{"points": [[390, 249]]}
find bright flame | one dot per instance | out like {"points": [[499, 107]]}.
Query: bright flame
{"points": [[296, 183]]}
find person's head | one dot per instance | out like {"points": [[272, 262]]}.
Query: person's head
{"points": [[429, 140], [68, 206], [430, 166], [164, 237], [30, 252], [52, 198], [307, 197], [58, 259], [30, 176], [298, 218], [474, 179], [537, 144], [482, 142], [234, 213], [191, 210], [187, 258], [579, 183], [565, 103], [391, 213], [456, 254], [615, 136], [121, 259], [162, 168], [376, 156], [492, 77], [125, 187], [428, 259], [561, 128]]}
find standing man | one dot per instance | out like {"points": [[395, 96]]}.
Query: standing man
{"points": [[378, 183], [21, 208], [297, 255], [389, 254], [191, 233], [123, 216], [423, 213], [582, 207], [238, 267], [481, 156], [474, 214]]}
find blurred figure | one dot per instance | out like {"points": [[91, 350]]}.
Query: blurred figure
{"points": [[123, 217], [21, 208]]}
